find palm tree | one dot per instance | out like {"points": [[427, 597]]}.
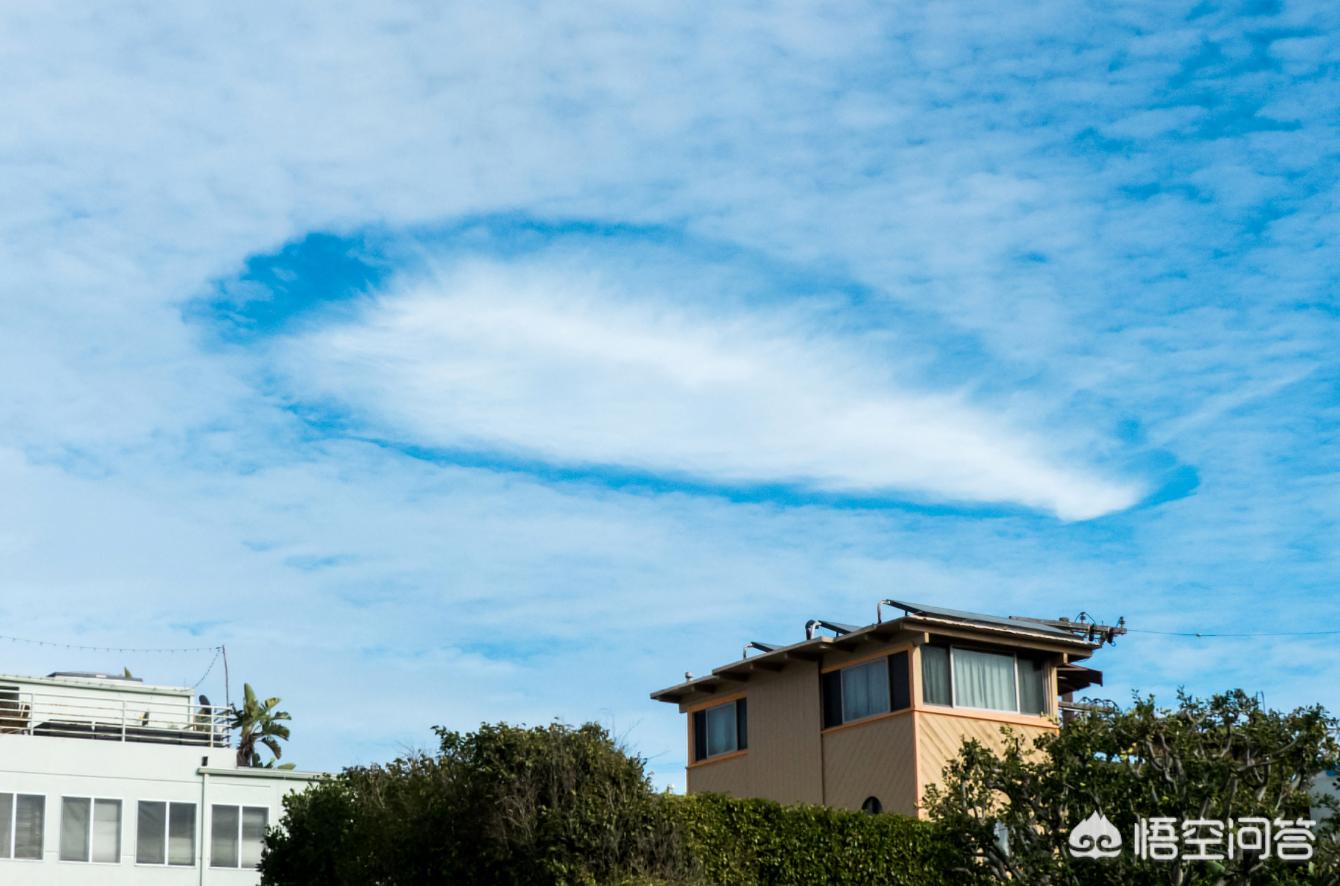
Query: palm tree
{"points": [[259, 722]]}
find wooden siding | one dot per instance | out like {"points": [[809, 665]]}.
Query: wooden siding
{"points": [[873, 759], [729, 775], [940, 735], [782, 762]]}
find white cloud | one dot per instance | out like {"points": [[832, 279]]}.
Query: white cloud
{"points": [[571, 369]]}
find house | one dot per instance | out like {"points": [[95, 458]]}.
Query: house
{"points": [[867, 717], [107, 780]]}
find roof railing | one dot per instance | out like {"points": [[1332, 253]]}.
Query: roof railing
{"points": [[154, 721]]}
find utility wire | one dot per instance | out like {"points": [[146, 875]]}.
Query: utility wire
{"points": [[141, 650], [213, 661], [1206, 634]]}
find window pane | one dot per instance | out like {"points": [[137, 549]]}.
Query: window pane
{"points": [[107, 831], [6, 823], [75, 816], [984, 680], [721, 729], [150, 828], [1033, 686], [865, 690], [181, 833], [29, 821], [255, 819], [935, 675], [223, 837]]}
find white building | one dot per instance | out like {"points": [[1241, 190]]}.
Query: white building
{"points": [[107, 781]]}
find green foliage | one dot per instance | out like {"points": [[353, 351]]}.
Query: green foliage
{"points": [[564, 805], [735, 842], [1218, 759], [259, 723], [501, 805]]}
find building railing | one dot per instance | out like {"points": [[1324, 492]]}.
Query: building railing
{"points": [[155, 720]]}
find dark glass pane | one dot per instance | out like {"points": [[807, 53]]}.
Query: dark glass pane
{"points": [[223, 836], [831, 684], [900, 684], [150, 831], [935, 686]]}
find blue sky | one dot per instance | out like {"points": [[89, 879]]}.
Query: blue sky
{"points": [[506, 362]]}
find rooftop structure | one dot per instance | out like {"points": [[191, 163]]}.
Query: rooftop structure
{"points": [[109, 781], [867, 716]]}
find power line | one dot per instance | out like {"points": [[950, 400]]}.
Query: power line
{"points": [[1208, 634], [138, 650], [213, 661]]}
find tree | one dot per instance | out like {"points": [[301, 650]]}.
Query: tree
{"points": [[259, 723], [505, 804], [1225, 758]]}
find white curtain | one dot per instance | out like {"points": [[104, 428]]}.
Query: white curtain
{"points": [[865, 690], [181, 833], [75, 813], [935, 675], [254, 822], [107, 831], [984, 680]]}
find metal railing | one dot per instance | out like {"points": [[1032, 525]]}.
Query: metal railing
{"points": [[157, 720]]}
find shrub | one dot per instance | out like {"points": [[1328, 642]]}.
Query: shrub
{"points": [[746, 842]]}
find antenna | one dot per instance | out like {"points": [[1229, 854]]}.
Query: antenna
{"points": [[1083, 626]]}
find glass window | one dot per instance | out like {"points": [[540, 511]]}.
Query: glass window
{"points": [[76, 820], [721, 730], [150, 830], [237, 835], [6, 824], [181, 833], [865, 690], [935, 687], [223, 836], [29, 823], [984, 680], [165, 833], [1033, 686], [255, 822], [90, 830]]}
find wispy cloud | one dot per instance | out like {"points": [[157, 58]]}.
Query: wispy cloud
{"points": [[571, 368]]}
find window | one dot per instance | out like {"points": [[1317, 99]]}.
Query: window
{"points": [[984, 680], [872, 806], [935, 675], [236, 835], [864, 690], [1032, 685], [976, 678], [165, 833], [720, 729], [22, 821], [90, 830]]}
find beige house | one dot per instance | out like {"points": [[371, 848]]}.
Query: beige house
{"points": [[867, 717]]}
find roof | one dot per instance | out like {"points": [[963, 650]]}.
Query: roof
{"points": [[1012, 621], [917, 617]]}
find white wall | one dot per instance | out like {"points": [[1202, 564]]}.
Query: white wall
{"points": [[129, 772]]}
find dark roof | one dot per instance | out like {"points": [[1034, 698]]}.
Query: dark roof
{"points": [[1012, 621]]}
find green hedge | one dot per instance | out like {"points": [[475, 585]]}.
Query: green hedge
{"points": [[735, 842], [567, 805]]}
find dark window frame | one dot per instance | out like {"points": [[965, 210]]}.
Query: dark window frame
{"points": [[700, 730], [899, 686]]}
